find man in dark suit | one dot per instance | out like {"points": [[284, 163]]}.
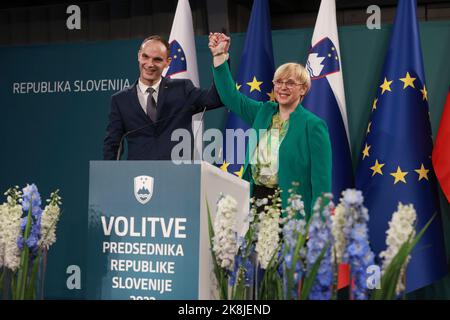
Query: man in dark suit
{"points": [[157, 105]]}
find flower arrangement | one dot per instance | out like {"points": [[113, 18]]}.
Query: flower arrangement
{"points": [[352, 245], [26, 233], [285, 255], [231, 254], [319, 263], [401, 230], [267, 240], [401, 239]]}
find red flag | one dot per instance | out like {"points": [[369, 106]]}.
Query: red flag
{"points": [[343, 279], [343, 276], [441, 151]]}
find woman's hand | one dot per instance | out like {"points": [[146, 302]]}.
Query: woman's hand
{"points": [[224, 42], [219, 43]]}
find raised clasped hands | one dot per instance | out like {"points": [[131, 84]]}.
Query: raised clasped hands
{"points": [[218, 43]]}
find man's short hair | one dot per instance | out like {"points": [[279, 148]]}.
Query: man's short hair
{"points": [[157, 38]]}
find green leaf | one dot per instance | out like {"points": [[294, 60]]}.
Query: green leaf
{"points": [[269, 288], [311, 277], [301, 240], [14, 286], [31, 285], [24, 260], [2, 277]]}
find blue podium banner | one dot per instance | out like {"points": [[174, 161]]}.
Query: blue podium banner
{"points": [[143, 230]]}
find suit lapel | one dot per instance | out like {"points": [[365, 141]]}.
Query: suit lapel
{"points": [[161, 96], [134, 101]]}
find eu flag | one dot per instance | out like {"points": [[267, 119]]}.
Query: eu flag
{"points": [[254, 78], [395, 164]]}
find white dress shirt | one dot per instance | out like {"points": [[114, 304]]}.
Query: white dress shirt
{"points": [[143, 94]]}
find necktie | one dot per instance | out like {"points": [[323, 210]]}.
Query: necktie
{"points": [[151, 104]]}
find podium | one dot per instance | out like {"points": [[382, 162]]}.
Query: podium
{"points": [[148, 228]]}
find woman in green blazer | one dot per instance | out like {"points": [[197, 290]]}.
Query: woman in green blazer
{"points": [[295, 148]]}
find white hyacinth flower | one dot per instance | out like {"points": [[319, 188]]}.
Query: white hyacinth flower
{"points": [[268, 235], [49, 219], [225, 243], [401, 229], [10, 214], [338, 224]]}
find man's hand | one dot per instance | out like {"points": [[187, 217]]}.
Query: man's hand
{"points": [[219, 43]]}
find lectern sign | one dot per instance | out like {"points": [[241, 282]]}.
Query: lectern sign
{"points": [[149, 248]]}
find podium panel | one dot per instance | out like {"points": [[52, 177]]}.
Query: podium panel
{"points": [[148, 231]]}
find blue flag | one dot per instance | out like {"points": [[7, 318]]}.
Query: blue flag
{"points": [[254, 77], [395, 164], [326, 97]]}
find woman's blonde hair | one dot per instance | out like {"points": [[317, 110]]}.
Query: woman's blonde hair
{"points": [[295, 70]]}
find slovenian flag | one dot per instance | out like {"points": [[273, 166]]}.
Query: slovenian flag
{"points": [[184, 60], [326, 99]]}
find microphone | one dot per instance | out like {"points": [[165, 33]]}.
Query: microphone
{"points": [[126, 134], [195, 135]]}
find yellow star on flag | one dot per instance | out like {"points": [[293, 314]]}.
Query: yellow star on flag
{"points": [[423, 173], [254, 84], [368, 127], [408, 81], [271, 95], [424, 93], [376, 168], [238, 86], [399, 175], [374, 105], [386, 86], [366, 151], [224, 166], [240, 172]]}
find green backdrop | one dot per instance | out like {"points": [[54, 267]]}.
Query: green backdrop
{"points": [[49, 138]]}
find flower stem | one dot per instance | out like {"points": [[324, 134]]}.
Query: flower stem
{"points": [[24, 257]]}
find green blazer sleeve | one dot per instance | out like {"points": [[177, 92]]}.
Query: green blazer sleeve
{"points": [[237, 102], [321, 161]]}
